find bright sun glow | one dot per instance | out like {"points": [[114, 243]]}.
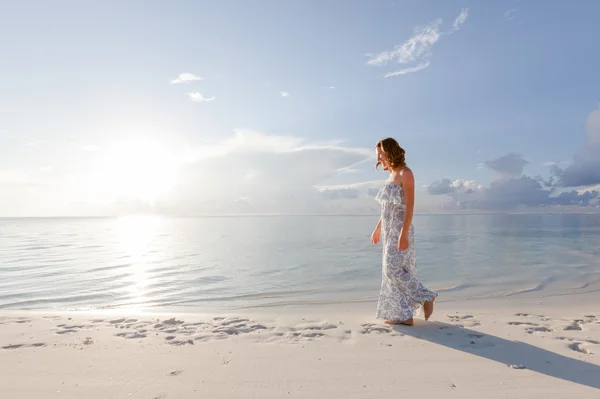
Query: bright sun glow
{"points": [[137, 170]]}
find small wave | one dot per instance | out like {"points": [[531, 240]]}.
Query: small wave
{"points": [[108, 268], [47, 301], [313, 302]]}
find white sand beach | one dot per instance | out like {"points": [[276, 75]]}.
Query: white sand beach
{"points": [[520, 347]]}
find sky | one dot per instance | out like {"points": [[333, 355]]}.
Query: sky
{"points": [[274, 107]]}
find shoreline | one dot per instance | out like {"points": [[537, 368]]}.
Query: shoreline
{"points": [[556, 292]]}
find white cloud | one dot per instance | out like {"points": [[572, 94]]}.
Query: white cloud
{"points": [[511, 190], [585, 168], [284, 94], [198, 97], [589, 189], [461, 19], [280, 174], [513, 193], [186, 78], [417, 49], [447, 186]]}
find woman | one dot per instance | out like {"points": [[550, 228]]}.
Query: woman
{"points": [[402, 294]]}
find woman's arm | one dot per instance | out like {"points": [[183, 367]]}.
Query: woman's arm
{"points": [[408, 185], [376, 235]]}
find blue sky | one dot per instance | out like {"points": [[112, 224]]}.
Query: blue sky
{"points": [[297, 99]]}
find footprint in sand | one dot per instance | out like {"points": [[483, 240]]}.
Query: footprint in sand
{"points": [[532, 327], [475, 336], [347, 335], [521, 323], [122, 320], [573, 327], [569, 339], [539, 329], [528, 315], [175, 342], [18, 346], [516, 366], [580, 347], [233, 321], [370, 328], [317, 326], [172, 322], [131, 335], [463, 321], [68, 331], [9, 347], [459, 317]]}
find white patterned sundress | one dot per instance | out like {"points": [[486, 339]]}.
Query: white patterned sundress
{"points": [[402, 294]]}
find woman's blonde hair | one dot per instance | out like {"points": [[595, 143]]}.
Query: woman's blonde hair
{"points": [[394, 152]]}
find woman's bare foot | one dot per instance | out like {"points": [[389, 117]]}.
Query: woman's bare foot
{"points": [[428, 308], [408, 322]]}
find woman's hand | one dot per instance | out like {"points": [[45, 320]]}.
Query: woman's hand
{"points": [[376, 235], [403, 242]]}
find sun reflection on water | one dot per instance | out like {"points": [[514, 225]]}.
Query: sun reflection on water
{"points": [[135, 235]]}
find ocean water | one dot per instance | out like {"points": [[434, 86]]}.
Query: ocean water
{"points": [[211, 263]]}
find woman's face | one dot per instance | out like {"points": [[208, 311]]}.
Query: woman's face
{"points": [[382, 157]]}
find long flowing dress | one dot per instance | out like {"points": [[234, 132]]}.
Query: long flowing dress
{"points": [[402, 294]]}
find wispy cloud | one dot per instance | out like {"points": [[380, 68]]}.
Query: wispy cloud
{"points": [[186, 78], [414, 49], [409, 70], [417, 49], [510, 14], [461, 19], [198, 97], [284, 94]]}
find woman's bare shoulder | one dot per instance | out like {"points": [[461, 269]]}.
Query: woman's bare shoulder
{"points": [[406, 171], [406, 176]]}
